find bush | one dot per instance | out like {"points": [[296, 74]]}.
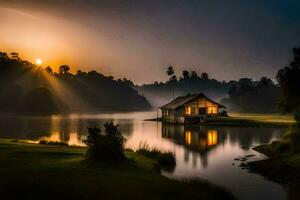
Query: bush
{"points": [[283, 147], [167, 161], [107, 147], [224, 114]]}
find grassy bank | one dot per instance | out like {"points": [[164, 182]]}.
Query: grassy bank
{"points": [[280, 167], [283, 166], [32, 171]]}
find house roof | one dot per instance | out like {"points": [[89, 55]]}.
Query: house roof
{"points": [[180, 101]]}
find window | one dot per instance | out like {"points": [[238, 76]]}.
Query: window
{"points": [[212, 110], [188, 110]]}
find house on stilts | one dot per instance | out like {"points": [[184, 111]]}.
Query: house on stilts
{"points": [[191, 108]]}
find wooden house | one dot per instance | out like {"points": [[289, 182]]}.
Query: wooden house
{"points": [[190, 108]]}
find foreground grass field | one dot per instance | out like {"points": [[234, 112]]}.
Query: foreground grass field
{"points": [[32, 171]]}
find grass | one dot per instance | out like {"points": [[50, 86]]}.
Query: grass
{"points": [[283, 165], [33, 171], [271, 118]]}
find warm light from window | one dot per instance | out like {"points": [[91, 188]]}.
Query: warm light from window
{"points": [[188, 137], [212, 110], [212, 137], [188, 110]]}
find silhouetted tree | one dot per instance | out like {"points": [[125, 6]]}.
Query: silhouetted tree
{"points": [[253, 96], [289, 81], [170, 72], [64, 69], [14, 55], [194, 75], [185, 74], [108, 147], [265, 82], [49, 70], [204, 76], [3, 56]]}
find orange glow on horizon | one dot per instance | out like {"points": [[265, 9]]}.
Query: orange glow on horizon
{"points": [[38, 61]]}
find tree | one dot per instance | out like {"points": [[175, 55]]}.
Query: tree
{"points": [[14, 55], [289, 81], [194, 75], [173, 78], [3, 56], [170, 71], [204, 76], [185, 74], [265, 82], [107, 147], [49, 70], [64, 69]]}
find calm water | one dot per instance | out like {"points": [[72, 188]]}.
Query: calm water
{"points": [[203, 152]]}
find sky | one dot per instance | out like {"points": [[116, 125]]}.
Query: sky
{"points": [[138, 39]]}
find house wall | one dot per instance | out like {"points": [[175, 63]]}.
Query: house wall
{"points": [[179, 115], [200, 103]]}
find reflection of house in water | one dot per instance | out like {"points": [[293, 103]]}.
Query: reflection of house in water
{"points": [[197, 139]]}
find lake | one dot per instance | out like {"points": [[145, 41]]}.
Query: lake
{"points": [[206, 152]]}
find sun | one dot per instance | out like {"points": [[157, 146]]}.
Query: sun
{"points": [[38, 61]]}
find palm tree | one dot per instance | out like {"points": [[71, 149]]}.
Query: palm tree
{"points": [[170, 71], [171, 74]]}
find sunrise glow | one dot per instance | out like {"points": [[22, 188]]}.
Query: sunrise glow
{"points": [[38, 61]]}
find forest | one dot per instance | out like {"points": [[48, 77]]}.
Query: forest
{"points": [[28, 88], [244, 95]]}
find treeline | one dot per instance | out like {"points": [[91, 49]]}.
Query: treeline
{"points": [[244, 95], [247, 95], [159, 93], [27, 88]]}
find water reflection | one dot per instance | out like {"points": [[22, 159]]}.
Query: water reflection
{"points": [[198, 138], [207, 152]]}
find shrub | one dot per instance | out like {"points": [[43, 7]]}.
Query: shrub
{"points": [[283, 147], [167, 161], [224, 114], [107, 147]]}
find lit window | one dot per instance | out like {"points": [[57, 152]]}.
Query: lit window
{"points": [[188, 110], [212, 110]]}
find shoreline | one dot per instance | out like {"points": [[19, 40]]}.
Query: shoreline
{"points": [[233, 121], [283, 168]]}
